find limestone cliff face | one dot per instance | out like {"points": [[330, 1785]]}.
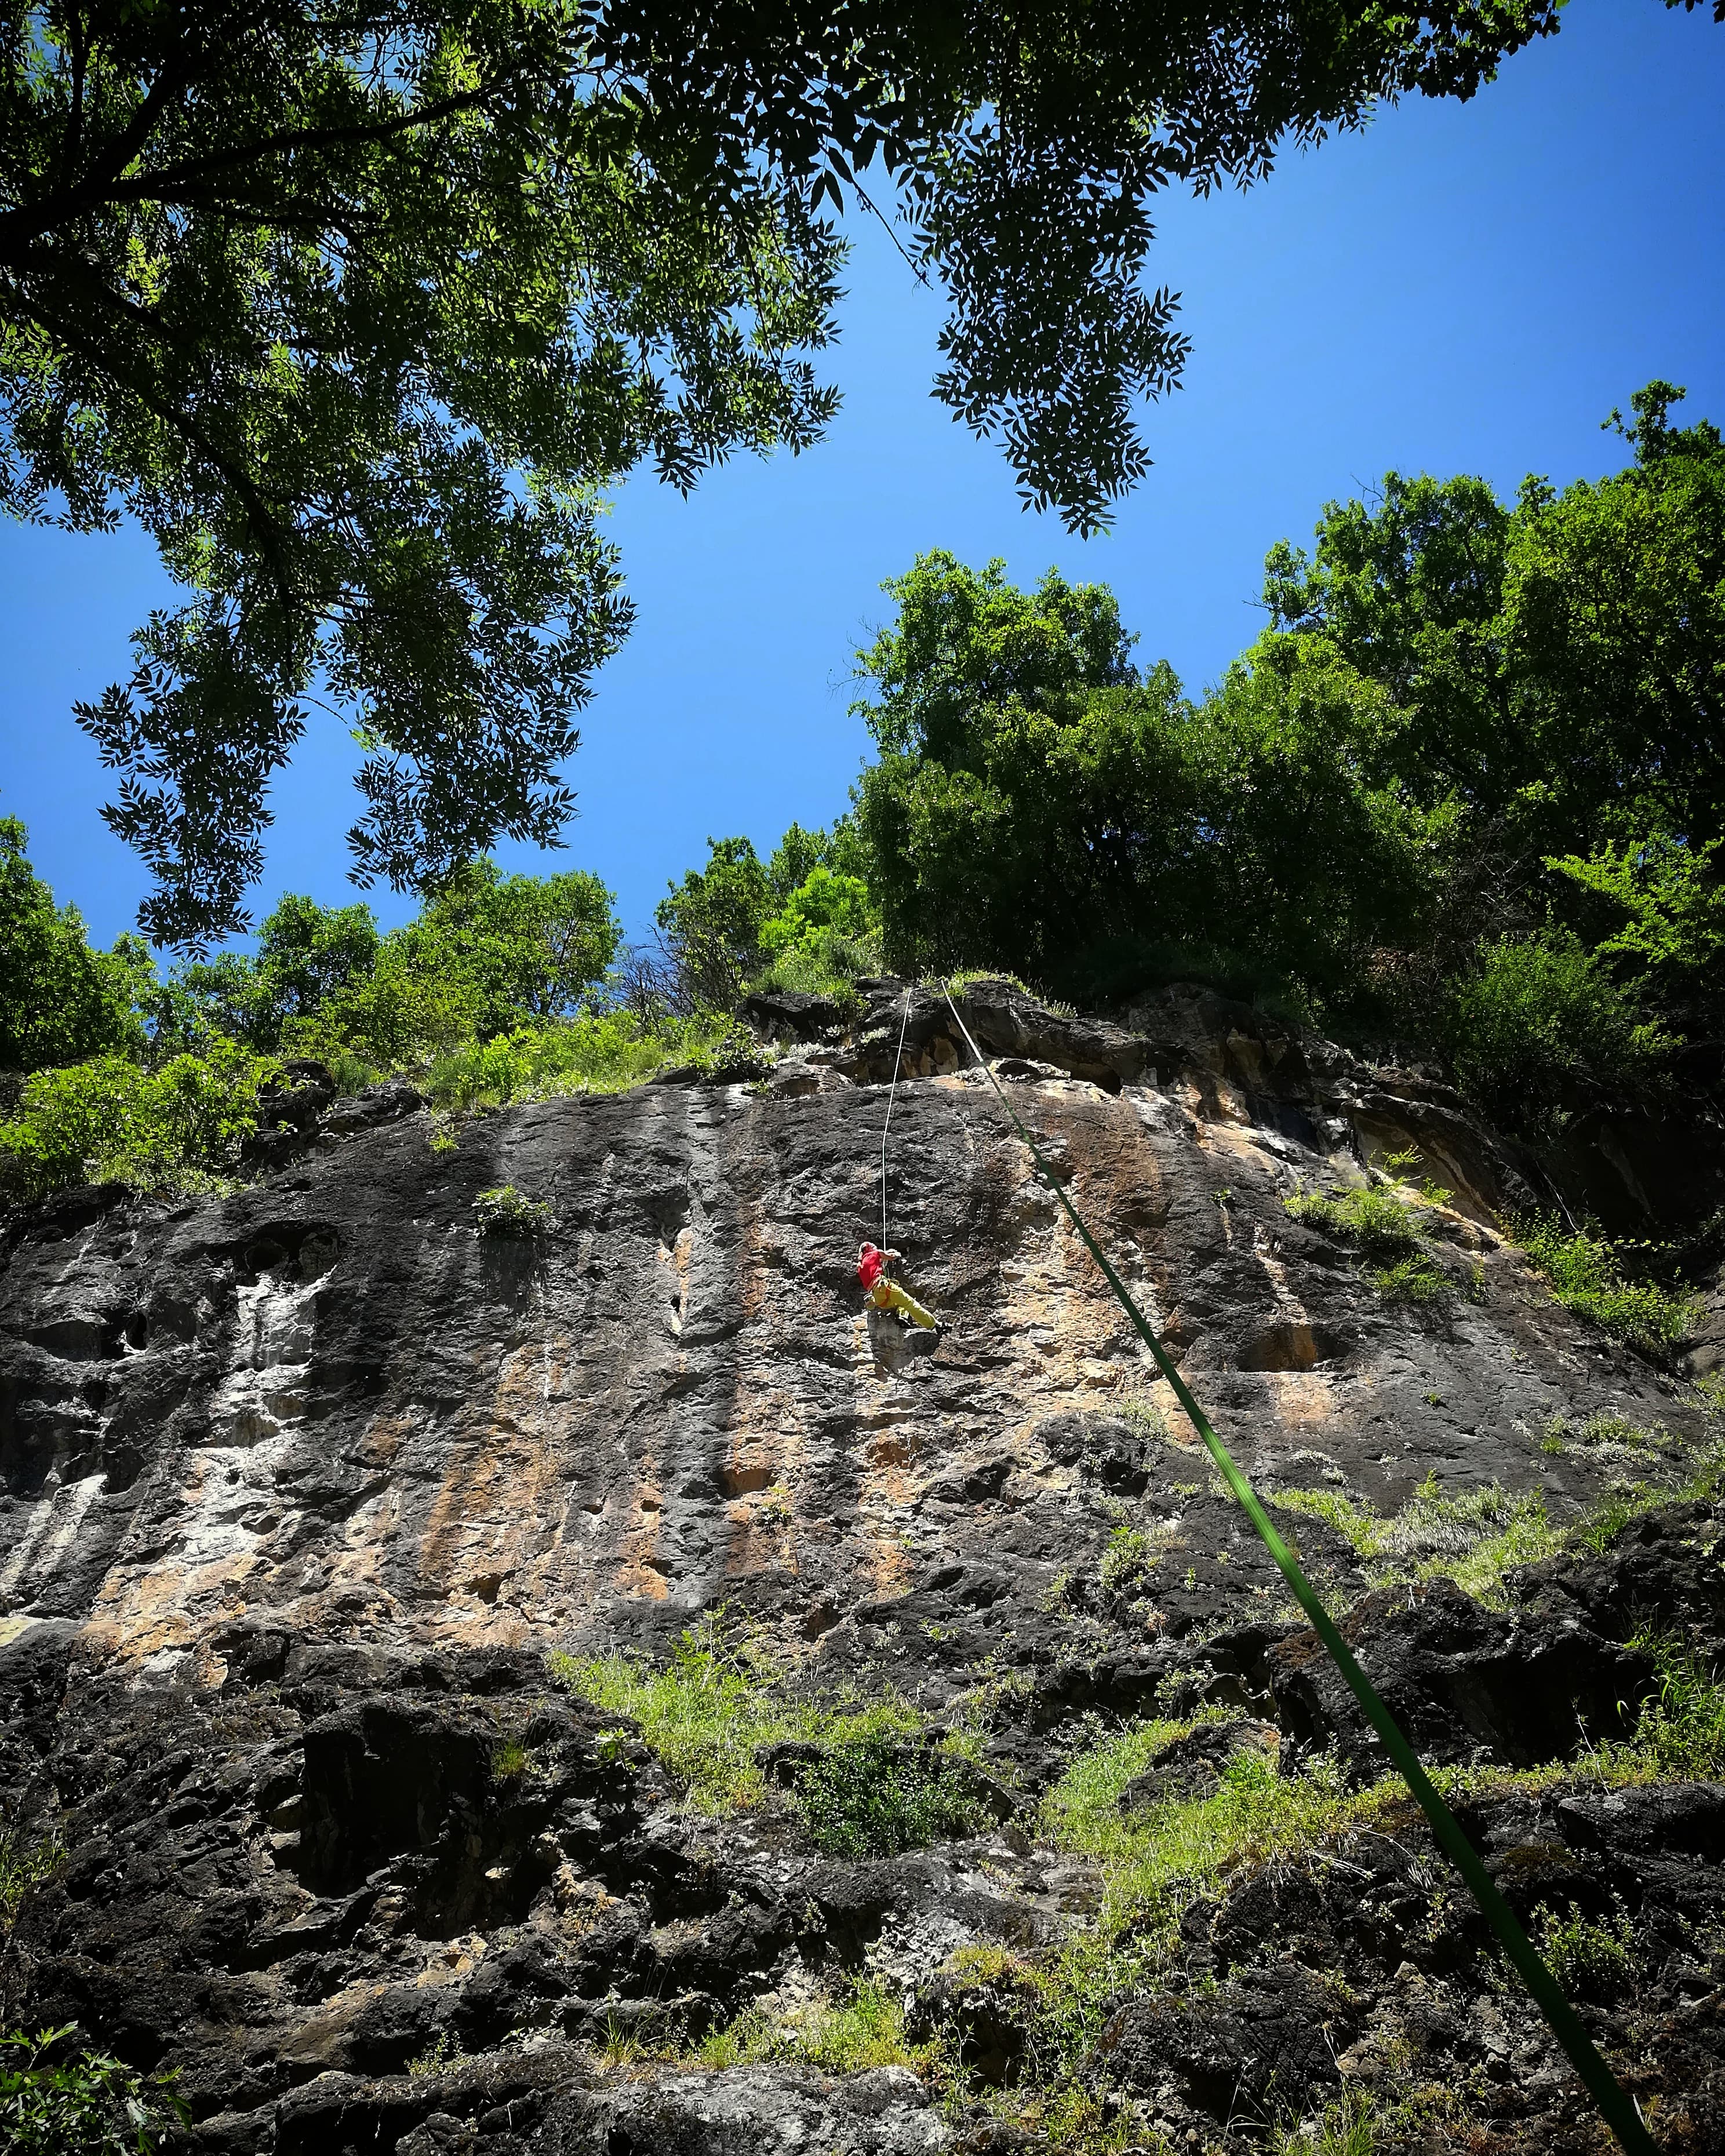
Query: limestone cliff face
{"points": [[332, 1403], [296, 1486]]}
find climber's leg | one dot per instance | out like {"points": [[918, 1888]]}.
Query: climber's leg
{"points": [[907, 1306]]}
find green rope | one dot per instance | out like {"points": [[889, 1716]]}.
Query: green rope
{"points": [[1616, 2105]]}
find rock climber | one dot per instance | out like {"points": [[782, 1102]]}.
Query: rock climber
{"points": [[884, 1294]]}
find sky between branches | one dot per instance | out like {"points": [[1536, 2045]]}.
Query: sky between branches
{"points": [[1462, 288]]}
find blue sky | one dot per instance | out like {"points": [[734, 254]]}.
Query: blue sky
{"points": [[1460, 288]]}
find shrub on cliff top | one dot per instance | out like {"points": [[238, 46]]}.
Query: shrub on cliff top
{"points": [[601, 1052], [177, 1128]]}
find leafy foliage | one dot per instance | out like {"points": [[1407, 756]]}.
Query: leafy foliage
{"points": [[862, 2027], [1374, 1219], [23, 1864], [1540, 1016], [59, 1000], [1465, 791], [254, 259], [1036, 801], [804, 917], [873, 1795], [306, 956], [711, 925], [108, 1121], [1587, 1273], [54, 2102], [487, 954], [355, 308], [510, 1213]]}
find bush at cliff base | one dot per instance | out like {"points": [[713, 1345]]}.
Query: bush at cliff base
{"points": [[54, 2102], [177, 1128]]}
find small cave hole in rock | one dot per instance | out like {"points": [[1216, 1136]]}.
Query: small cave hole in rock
{"points": [[396, 1781], [1291, 1346], [740, 1481]]}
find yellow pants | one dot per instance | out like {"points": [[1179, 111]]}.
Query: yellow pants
{"points": [[887, 1295]]}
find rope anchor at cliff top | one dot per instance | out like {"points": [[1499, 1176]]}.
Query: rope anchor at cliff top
{"points": [[1616, 2105]]}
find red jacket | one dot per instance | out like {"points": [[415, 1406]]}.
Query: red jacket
{"points": [[870, 1265]]}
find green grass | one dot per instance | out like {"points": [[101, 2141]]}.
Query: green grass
{"points": [[1417, 1281], [510, 1761], [1589, 1273], [706, 1713], [967, 975], [1680, 1734], [1153, 1866], [604, 1052], [1471, 1538], [1349, 2127], [1605, 1430], [1155, 1863], [1383, 1224], [1477, 1536], [860, 2026]]}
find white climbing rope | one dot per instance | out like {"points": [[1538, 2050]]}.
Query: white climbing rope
{"points": [[885, 1128]]}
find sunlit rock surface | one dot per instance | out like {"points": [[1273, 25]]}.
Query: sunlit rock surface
{"points": [[298, 1489]]}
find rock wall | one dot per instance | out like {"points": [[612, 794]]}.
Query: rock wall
{"points": [[298, 1489]]}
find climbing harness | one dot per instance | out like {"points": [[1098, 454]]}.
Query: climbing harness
{"points": [[886, 1128], [1616, 2105]]}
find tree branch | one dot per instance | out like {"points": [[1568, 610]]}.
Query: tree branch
{"points": [[264, 527], [307, 138]]}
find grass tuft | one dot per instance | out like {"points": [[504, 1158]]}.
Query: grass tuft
{"points": [[707, 1712], [1376, 1221], [860, 2027], [1471, 1538], [1349, 2127]]}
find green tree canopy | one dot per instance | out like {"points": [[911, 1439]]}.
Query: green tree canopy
{"points": [[531, 948], [1037, 805], [711, 923], [1562, 663], [1468, 787], [488, 954], [60, 999], [354, 306]]}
